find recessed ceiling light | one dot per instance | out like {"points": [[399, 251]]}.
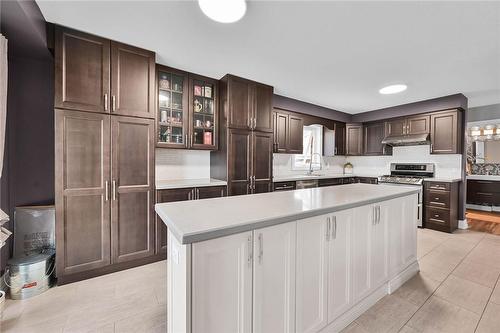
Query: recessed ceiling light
{"points": [[223, 11], [393, 89]]}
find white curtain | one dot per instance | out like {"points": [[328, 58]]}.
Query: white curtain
{"points": [[3, 96]]}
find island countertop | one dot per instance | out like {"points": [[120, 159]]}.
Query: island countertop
{"points": [[199, 220]]}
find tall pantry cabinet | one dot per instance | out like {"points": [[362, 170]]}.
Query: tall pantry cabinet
{"points": [[104, 155], [245, 152]]}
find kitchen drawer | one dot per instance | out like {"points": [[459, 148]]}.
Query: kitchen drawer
{"points": [[284, 186], [437, 219], [484, 186], [443, 186], [330, 182], [437, 198], [476, 197]]}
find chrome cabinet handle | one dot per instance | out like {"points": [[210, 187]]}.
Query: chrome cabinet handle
{"points": [[191, 141], [105, 102], [334, 231], [254, 123], [185, 139], [113, 189], [189, 194], [378, 214], [106, 185], [374, 215], [328, 227], [261, 247], [249, 243], [113, 102]]}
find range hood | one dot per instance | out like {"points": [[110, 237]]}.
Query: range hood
{"points": [[407, 140]]}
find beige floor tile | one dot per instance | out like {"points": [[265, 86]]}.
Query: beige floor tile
{"points": [[418, 289], [388, 315], [477, 272], [486, 253], [434, 272], [408, 329], [490, 321], [148, 321], [492, 238], [464, 293], [438, 315], [468, 235], [426, 243], [444, 257], [495, 296], [354, 328]]}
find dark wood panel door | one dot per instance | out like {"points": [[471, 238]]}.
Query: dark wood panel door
{"points": [[354, 139], [210, 192], [81, 71], [173, 195], [82, 170], [295, 135], [132, 81], [444, 133], [262, 161], [241, 105], [280, 132], [239, 161], [396, 127], [340, 139], [418, 125], [374, 133], [263, 110], [132, 191]]}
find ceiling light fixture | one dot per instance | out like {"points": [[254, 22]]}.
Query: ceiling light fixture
{"points": [[393, 89], [223, 11]]}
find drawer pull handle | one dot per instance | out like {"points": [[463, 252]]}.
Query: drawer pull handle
{"points": [[437, 203]]}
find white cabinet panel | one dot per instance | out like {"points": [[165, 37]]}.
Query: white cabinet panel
{"points": [[409, 227], [395, 234], [274, 279], [339, 265], [222, 284], [312, 274], [379, 246], [360, 251]]}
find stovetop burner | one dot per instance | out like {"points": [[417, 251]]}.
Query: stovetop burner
{"points": [[409, 180], [408, 174]]}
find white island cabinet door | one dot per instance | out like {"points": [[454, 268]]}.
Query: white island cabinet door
{"points": [[379, 262], [360, 251], [339, 265], [409, 228], [274, 279], [396, 237], [222, 285], [312, 274]]}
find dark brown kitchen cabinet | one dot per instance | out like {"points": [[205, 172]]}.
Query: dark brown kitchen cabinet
{"points": [[104, 193], [281, 132], [203, 113], [239, 165], [82, 71], [396, 127], [262, 163], [420, 124], [483, 192], [132, 188], [445, 129], [340, 136], [295, 134], [248, 103], [132, 81], [354, 139], [441, 205], [181, 194], [82, 198], [373, 135], [288, 132], [98, 75]]}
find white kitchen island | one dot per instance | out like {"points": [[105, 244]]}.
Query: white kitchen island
{"points": [[309, 260]]}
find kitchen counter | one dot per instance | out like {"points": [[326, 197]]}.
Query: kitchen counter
{"points": [[186, 183], [484, 177], [289, 178], [195, 221], [443, 180]]}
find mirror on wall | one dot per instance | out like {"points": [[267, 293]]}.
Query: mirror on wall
{"points": [[486, 151], [484, 142]]}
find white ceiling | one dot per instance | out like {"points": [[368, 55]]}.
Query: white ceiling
{"points": [[334, 54]]}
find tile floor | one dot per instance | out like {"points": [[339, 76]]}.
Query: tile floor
{"points": [[457, 290]]}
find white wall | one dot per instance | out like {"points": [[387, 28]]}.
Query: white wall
{"points": [[446, 166], [174, 164]]}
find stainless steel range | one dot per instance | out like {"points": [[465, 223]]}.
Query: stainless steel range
{"points": [[409, 174]]}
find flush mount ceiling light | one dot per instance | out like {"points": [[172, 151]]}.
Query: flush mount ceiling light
{"points": [[223, 11], [393, 89]]}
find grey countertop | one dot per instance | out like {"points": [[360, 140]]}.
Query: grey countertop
{"points": [[186, 183], [288, 178], [484, 177], [199, 220], [443, 180]]}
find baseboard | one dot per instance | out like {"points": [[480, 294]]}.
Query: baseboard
{"points": [[462, 224], [402, 277]]}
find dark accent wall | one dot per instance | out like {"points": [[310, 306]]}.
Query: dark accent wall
{"points": [[28, 175], [487, 112], [457, 101], [295, 105]]}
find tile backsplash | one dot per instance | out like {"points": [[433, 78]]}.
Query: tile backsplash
{"points": [[174, 164], [486, 169]]}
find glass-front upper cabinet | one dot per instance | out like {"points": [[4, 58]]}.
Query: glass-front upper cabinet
{"points": [[173, 108], [203, 114]]}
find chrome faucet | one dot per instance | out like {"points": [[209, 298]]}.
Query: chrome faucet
{"points": [[310, 171]]}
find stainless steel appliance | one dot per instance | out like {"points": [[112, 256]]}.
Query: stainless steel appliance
{"points": [[410, 174], [310, 183]]}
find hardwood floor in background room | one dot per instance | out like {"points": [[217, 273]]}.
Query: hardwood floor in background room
{"points": [[483, 221], [457, 290]]}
